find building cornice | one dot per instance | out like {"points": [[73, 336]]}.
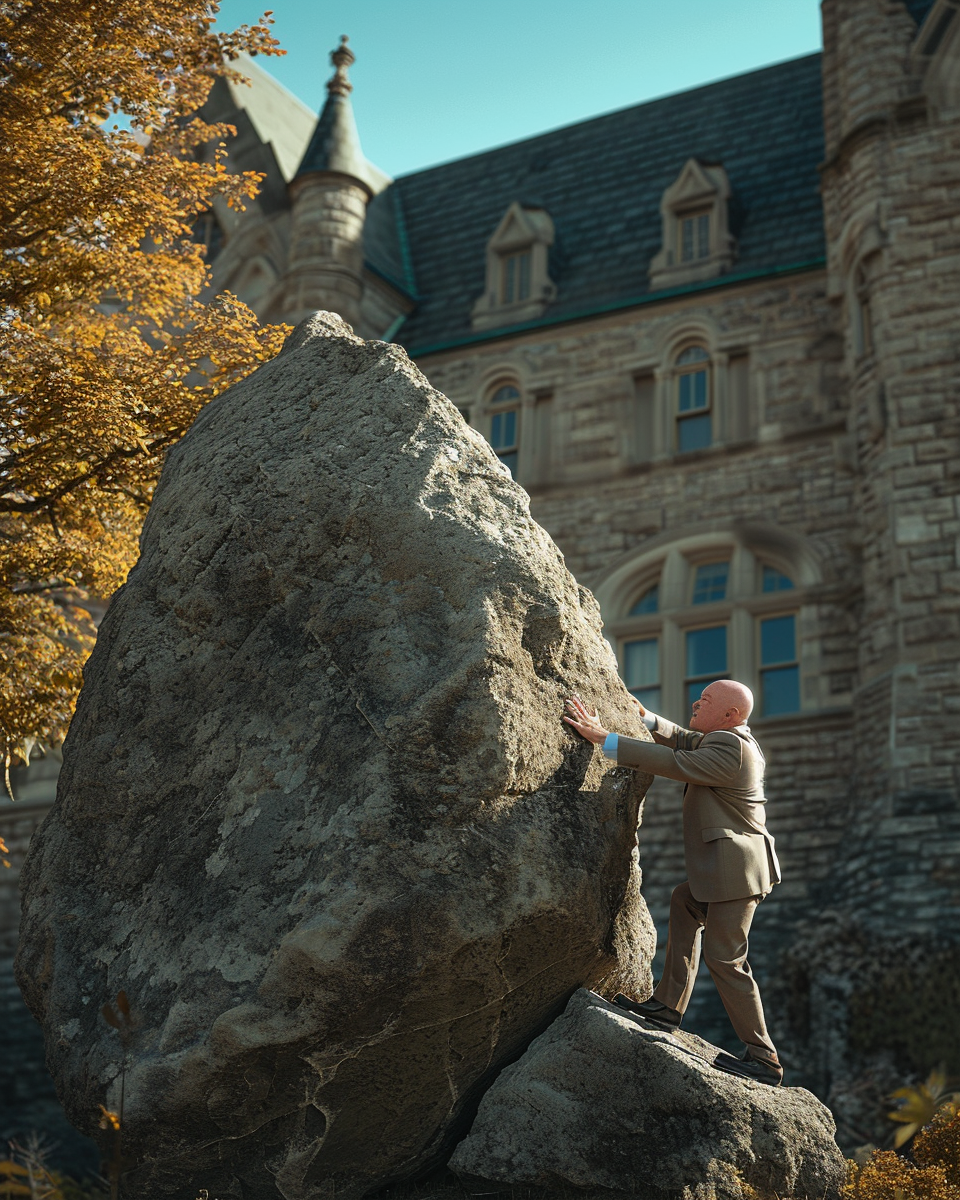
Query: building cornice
{"points": [[661, 296]]}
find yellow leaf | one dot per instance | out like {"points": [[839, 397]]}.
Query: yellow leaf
{"points": [[86, 297], [108, 1119]]}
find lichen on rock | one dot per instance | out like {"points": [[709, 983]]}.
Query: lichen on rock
{"points": [[319, 816], [599, 1102]]}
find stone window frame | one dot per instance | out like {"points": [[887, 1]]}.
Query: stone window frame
{"points": [[701, 189], [860, 307], [672, 564], [523, 230], [851, 279], [651, 436], [534, 449]]}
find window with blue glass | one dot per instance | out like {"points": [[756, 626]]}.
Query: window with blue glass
{"points": [[706, 659], [504, 426], [641, 671], [694, 418], [779, 668], [649, 602], [775, 581], [710, 582]]}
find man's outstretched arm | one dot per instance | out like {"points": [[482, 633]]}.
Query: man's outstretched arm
{"points": [[716, 762]]}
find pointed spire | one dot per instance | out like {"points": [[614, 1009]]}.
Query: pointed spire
{"points": [[335, 144], [342, 58]]}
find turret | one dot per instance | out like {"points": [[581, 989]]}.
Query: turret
{"points": [[890, 182], [329, 196]]}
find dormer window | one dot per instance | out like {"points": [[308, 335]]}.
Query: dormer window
{"points": [[518, 287], [516, 277], [697, 243], [694, 237]]}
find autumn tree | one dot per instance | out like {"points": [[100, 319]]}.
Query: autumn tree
{"points": [[108, 347]]}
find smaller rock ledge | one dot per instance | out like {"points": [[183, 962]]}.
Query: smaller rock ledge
{"points": [[597, 1101]]}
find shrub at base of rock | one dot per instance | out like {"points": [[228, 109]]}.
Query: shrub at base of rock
{"points": [[598, 1102], [318, 815]]}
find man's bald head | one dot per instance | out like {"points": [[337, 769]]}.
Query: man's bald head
{"points": [[723, 705]]}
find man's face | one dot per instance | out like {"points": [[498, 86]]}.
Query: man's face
{"points": [[709, 712]]}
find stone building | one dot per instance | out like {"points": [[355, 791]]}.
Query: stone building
{"points": [[716, 338]]}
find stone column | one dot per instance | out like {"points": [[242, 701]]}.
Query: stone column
{"points": [[326, 247], [891, 186]]}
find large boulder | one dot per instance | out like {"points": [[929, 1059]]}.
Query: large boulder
{"points": [[598, 1101], [318, 815]]}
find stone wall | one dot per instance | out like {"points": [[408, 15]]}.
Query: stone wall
{"points": [[892, 195]]}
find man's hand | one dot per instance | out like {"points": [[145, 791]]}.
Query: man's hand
{"points": [[586, 723]]}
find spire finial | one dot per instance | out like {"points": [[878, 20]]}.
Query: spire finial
{"points": [[341, 58]]}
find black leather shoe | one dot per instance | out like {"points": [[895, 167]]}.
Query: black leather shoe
{"points": [[651, 1010], [747, 1067]]}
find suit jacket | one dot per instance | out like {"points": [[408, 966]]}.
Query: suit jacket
{"points": [[728, 851]]}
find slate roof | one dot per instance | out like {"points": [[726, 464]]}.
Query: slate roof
{"points": [[918, 9], [276, 114], [601, 181]]}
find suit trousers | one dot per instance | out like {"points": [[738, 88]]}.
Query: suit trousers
{"points": [[721, 929]]}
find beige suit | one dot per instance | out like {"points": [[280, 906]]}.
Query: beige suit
{"points": [[731, 865], [728, 852]]}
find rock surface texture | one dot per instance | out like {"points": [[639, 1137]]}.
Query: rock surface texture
{"points": [[318, 814], [598, 1102]]}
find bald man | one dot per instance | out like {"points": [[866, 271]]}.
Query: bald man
{"points": [[730, 859]]}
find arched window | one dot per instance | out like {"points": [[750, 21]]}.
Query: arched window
{"points": [[649, 602], [703, 613], [694, 420], [504, 408]]}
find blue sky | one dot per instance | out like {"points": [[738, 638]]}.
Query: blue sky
{"points": [[440, 79]]}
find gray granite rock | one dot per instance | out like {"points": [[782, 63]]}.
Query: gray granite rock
{"points": [[597, 1101], [318, 814]]}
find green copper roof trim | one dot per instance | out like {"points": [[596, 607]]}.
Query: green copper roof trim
{"points": [[394, 329], [405, 255], [635, 302]]}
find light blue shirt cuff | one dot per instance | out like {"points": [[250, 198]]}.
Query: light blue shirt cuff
{"points": [[610, 746], [650, 720]]}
